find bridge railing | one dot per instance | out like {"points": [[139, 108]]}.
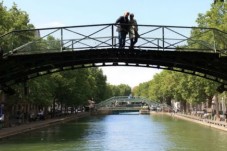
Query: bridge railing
{"points": [[74, 38]]}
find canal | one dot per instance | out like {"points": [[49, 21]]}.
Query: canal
{"points": [[126, 132]]}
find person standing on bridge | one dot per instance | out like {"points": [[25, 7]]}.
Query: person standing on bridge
{"points": [[122, 29], [133, 31]]}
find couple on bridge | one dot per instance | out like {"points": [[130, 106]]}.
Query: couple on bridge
{"points": [[127, 26]]}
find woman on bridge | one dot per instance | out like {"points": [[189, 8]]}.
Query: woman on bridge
{"points": [[133, 31]]}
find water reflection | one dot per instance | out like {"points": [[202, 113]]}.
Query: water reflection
{"points": [[124, 132], [191, 136]]}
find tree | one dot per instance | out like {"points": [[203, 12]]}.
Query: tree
{"points": [[214, 18], [14, 19]]}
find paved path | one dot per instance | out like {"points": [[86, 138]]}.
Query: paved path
{"points": [[6, 132]]}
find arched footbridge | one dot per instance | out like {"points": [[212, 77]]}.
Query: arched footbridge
{"points": [[119, 104], [26, 54]]}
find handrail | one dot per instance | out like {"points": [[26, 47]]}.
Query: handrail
{"points": [[155, 37], [92, 25]]}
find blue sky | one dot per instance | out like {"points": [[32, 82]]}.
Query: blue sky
{"points": [[52, 13]]}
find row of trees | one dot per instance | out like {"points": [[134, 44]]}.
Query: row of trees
{"points": [[169, 85], [73, 88], [65, 89]]}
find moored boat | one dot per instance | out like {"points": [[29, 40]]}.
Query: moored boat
{"points": [[144, 110]]}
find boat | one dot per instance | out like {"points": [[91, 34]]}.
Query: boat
{"points": [[144, 110]]}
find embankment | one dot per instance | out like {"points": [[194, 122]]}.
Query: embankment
{"points": [[6, 132]]}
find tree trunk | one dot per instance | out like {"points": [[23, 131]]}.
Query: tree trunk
{"points": [[188, 105], [216, 106], [168, 101], [184, 106], [209, 101]]}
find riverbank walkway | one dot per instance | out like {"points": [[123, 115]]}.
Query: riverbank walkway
{"points": [[10, 131]]}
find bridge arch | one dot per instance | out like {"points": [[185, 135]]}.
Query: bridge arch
{"points": [[164, 50], [194, 63]]}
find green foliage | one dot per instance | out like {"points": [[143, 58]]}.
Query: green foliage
{"points": [[14, 19], [69, 88], [40, 91], [119, 90], [214, 18], [142, 90], [169, 85]]}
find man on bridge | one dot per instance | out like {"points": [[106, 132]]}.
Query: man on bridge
{"points": [[122, 29]]}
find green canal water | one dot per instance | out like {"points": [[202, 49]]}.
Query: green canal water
{"points": [[128, 132]]}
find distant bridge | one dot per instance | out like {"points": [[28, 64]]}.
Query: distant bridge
{"points": [[120, 104], [124, 99], [27, 54]]}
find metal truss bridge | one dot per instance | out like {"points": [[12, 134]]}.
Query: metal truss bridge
{"points": [[125, 99], [118, 104], [121, 104], [26, 54]]}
